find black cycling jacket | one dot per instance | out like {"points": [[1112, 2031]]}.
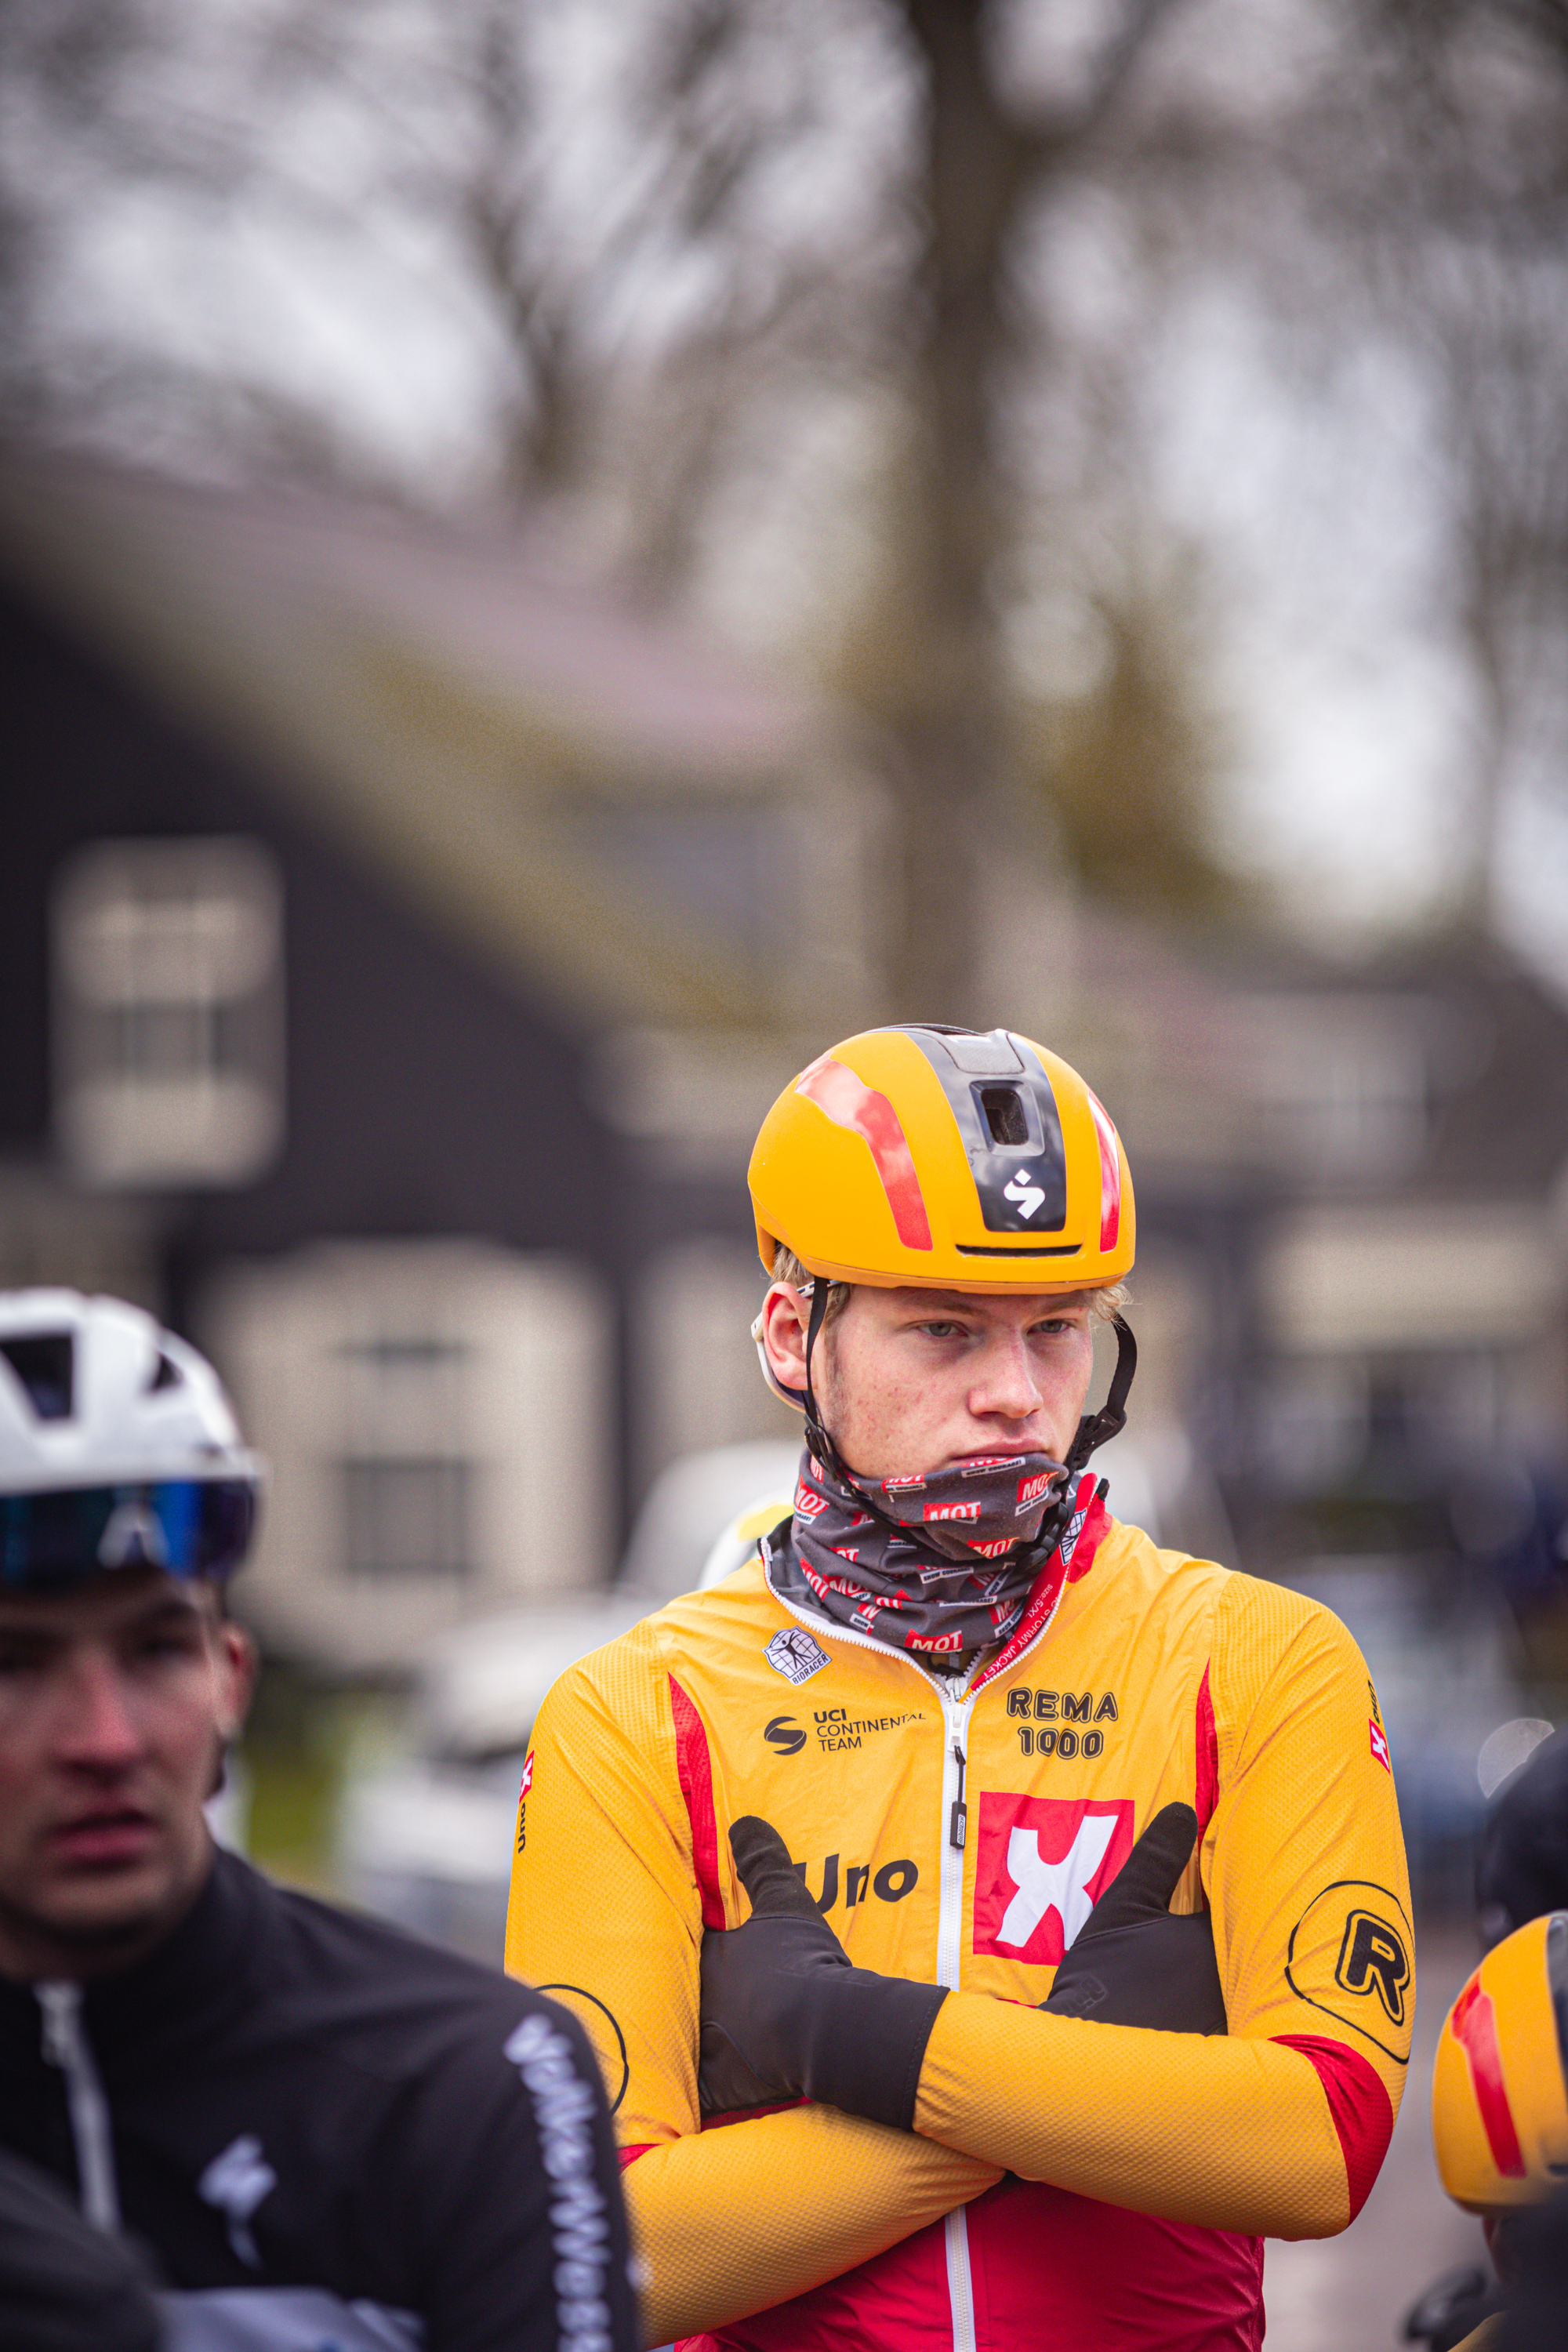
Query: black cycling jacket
{"points": [[324, 2133]]}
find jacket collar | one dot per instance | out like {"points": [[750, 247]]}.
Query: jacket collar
{"points": [[201, 1965]]}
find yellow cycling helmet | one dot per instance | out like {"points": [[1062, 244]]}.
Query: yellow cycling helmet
{"points": [[946, 1159], [1499, 2097]]}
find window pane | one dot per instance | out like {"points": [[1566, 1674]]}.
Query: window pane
{"points": [[167, 1013], [408, 1518]]}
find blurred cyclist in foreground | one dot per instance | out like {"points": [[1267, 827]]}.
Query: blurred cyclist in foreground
{"points": [[1521, 1874], [1109, 1835], [1499, 2122], [318, 2130]]}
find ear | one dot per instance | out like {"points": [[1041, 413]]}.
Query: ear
{"points": [[235, 1663], [784, 1316]]}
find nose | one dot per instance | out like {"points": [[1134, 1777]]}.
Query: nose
{"points": [[96, 1729], [1007, 1388]]}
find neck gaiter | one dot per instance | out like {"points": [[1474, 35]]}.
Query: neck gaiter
{"points": [[949, 1576]]}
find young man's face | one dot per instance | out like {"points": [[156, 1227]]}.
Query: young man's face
{"points": [[114, 1704], [911, 1381]]}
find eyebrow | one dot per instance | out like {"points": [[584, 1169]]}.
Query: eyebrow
{"points": [[966, 1302], [164, 1608]]}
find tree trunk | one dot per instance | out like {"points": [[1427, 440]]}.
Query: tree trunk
{"points": [[943, 693]]}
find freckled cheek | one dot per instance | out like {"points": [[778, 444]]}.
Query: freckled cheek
{"points": [[886, 1424]]}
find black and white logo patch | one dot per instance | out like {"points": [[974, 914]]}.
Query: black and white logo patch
{"points": [[795, 1654], [1349, 1954]]}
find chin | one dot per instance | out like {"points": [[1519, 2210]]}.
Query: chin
{"points": [[108, 1909]]}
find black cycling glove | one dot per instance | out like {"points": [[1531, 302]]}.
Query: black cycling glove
{"points": [[1134, 1962], [784, 2012]]}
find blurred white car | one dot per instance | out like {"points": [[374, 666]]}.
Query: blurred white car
{"points": [[426, 1838], [691, 1507]]}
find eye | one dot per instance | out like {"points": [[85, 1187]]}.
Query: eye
{"points": [[163, 1644]]}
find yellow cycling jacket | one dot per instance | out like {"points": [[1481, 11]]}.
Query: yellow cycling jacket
{"points": [[1066, 2181]]}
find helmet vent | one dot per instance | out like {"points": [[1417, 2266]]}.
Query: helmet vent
{"points": [[1005, 1114], [168, 1374], [978, 1052], [44, 1363]]}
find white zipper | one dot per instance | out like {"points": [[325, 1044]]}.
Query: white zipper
{"points": [[66, 2046], [956, 1715], [959, 2286], [954, 1835]]}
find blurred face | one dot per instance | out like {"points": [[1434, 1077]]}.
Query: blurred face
{"points": [[114, 1704], [912, 1381]]}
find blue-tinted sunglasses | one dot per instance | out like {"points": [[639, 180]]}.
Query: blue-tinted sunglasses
{"points": [[187, 1527]]}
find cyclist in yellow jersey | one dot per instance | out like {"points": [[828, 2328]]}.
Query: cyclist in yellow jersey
{"points": [[990, 1926]]}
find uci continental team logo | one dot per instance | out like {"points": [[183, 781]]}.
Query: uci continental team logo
{"points": [[1350, 1957], [784, 1734]]}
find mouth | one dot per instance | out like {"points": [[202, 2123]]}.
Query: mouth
{"points": [[116, 1834]]}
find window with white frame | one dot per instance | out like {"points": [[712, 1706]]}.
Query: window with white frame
{"points": [[168, 1011], [438, 1417], [405, 1472]]}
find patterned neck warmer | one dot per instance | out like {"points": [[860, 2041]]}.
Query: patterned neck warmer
{"points": [[952, 1574]]}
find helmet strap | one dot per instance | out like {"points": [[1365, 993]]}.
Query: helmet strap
{"points": [[817, 1438], [1096, 1427], [1093, 1430]]}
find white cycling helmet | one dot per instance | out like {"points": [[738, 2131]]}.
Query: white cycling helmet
{"points": [[118, 1447]]}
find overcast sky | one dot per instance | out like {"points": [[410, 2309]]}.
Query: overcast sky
{"points": [[1317, 503]]}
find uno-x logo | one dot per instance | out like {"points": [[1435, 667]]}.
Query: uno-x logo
{"points": [[784, 1734], [1024, 1193], [890, 1883], [1041, 1865], [1372, 1960]]}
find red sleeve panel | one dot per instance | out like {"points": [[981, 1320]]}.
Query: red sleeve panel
{"points": [[1361, 2109]]}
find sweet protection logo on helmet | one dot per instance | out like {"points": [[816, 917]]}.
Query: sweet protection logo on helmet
{"points": [[1000, 1098]]}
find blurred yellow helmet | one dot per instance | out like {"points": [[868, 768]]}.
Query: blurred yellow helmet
{"points": [[1499, 2097], [945, 1159]]}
